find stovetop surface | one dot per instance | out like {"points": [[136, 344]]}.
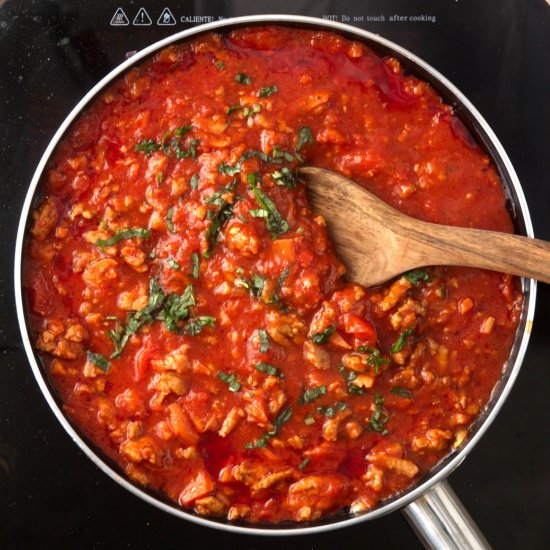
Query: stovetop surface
{"points": [[53, 51]]}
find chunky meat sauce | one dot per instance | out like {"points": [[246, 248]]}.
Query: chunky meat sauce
{"points": [[193, 313]]}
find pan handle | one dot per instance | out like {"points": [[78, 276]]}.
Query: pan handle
{"points": [[441, 522]]}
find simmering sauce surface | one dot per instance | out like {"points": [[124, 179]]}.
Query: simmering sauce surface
{"points": [[193, 312]]}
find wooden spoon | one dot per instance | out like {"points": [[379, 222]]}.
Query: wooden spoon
{"points": [[376, 242]]}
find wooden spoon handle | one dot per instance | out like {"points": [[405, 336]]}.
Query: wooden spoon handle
{"points": [[512, 254]]}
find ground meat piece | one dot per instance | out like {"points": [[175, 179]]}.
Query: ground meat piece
{"points": [[63, 339], [314, 495], [316, 355], [285, 328], [45, 219]]}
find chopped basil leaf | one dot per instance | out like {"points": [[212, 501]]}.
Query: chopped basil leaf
{"points": [[195, 262], [300, 230], [304, 463], [176, 309], [255, 285], [443, 291], [401, 340], [309, 420], [275, 223], [304, 136], [135, 319], [168, 219], [242, 218], [402, 392], [323, 337], [170, 143], [228, 170], [283, 277], [374, 359], [232, 108], [124, 234], [281, 153], [230, 380], [284, 177], [266, 91], [254, 153], [264, 340], [251, 111], [312, 394], [282, 419], [194, 181], [98, 360], [194, 326], [350, 376], [159, 177], [173, 264], [218, 217], [268, 368], [330, 412], [241, 78], [147, 146], [414, 277], [379, 419], [219, 64]]}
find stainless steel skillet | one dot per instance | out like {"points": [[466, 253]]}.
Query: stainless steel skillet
{"points": [[431, 507]]}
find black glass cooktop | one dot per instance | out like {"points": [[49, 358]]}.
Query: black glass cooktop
{"points": [[52, 51]]}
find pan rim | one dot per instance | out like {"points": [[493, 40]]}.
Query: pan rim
{"points": [[522, 335]]}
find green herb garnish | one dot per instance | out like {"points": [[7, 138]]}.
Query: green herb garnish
{"points": [[147, 146], [254, 284], [312, 394], [266, 91], [233, 108], [283, 418], [304, 136], [304, 463], [379, 419], [195, 263], [194, 326], [323, 337], [275, 223], [268, 368], [124, 234], [228, 170], [309, 420], [414, 277], [175, 308], [330, 412], [98, 360], [374, 359], [219, 64], [194, 181], [135, 319], [241, 78], [168, 220], [218, 217], [230, 380], [350, 376], [401, 340], [284, 177], [173, 264], [251, 111], [264, 340], [402, 392]]}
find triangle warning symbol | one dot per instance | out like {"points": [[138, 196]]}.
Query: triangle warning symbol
{"points": [[119, 18], [166, 18], [142, 18]]}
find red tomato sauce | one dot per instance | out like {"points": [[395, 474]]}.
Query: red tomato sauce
{"points": [[193, 312]]}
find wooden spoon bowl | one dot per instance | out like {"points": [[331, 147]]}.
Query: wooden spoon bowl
{"points": [[376, 242]]}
